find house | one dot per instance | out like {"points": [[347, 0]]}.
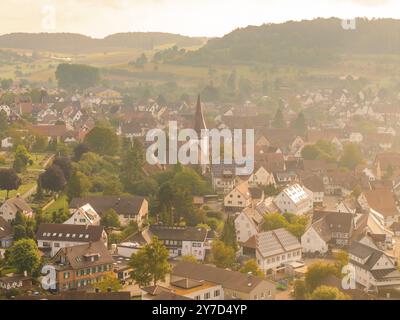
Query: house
{"points": [[235, 285], [261, 177], [6, 143], [129, 208], [315, 184], [180, 241], [295, 199], [81, 266], [339, 183], [51, 237], [381, 204], [247, 224], [6, 233], [239, 198], [275, 249], [10, 207], [223, 178], [373, 268], [84, 215], [330, 229], [188, 288]]}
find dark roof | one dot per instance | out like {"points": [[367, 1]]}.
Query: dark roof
{"points": [[228, 279], [313, 183], [124, 205], [363, 251], [69, 232], [256, 193], [165, 295], [79, 256], [336, 221], [178, 233], [5, 228], [187, 283]]}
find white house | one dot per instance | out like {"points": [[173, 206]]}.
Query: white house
{"points": [[373, 268], [247, 224], [239, 198], [84, 215], [10, 207], [261, 177], [295, 199], [6, 143], [316, 238], [51, 237], [275, 249]]}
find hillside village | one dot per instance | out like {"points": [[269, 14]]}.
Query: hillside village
{"points": [[78, 195]]}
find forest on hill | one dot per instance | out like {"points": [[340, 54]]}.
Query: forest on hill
{"points": [[309, 43], [76, 43]]}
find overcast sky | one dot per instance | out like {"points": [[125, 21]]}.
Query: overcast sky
{"points": [[98, 18]]}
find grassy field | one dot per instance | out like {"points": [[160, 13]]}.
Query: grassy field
{"points": [[60, 203]]}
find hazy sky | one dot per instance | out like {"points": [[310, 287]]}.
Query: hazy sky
{"points": [[190, 17]]}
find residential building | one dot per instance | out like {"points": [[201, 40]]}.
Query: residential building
{"points": [[239, 198], [275, 249], [81, 266], [373, 268], [129, 208], [235, 285], [295, 199], [6, 233], [51, 237], [247, 224], [10, 207], [84, 215]]}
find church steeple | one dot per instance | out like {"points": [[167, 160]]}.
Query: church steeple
{"points": [[199, 122]]}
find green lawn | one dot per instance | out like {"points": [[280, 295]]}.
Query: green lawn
{"points": [[22, 189], [60, 203]]}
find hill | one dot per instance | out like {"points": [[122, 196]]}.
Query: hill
{"points": [[310, 43], [77, 43]]}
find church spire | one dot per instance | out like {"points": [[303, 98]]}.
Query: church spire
{"points": [[199, 122]]}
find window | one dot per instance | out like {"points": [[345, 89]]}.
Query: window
{"points": [[216, 293], [197, 298], [207, 296], [56, 245]]}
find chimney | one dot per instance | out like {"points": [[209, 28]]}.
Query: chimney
{"points": [[249, 274]]}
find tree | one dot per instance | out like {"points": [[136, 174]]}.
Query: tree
{"points": [[9, 180], [40, 144], [53, 179], [109, 282], [300, 124], [300, 290], [80, 150], [274, 221], [24, 256], [228, 235], [150, 263], [132, 164], [279, 121], [77, 76], [78, 185], [351, 157], [3, 123], [252, 266], [64, 163], [328, 293], [141, 61], [110, 219], [342, 259], [223, 256], [316, 273], [21, 158], [102, 140], [6, 83]]}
